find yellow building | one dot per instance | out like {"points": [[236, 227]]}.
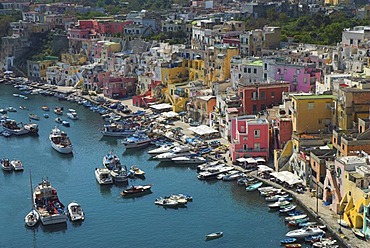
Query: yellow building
{"points": [[196, 69], [73, 59], [311, 113], [174, 72], [37, 69], [219, 63]]}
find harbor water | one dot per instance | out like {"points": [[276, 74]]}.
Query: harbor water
{"points": [[112, 220]]}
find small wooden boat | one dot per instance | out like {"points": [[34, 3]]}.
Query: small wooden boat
{"points": [[288, 241], [34, 117], [254, 187], [293, 245], [214, 235], [32, 218], [137, 190]]}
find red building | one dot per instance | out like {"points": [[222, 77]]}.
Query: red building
{"points": [[119, 87], [259, 96]]}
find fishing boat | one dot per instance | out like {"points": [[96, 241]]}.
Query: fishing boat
{"points": [[288, 241], [103, 176], [13, 127], [47, 204], [33, 216], [75, 212], [60, 141], [254, 187], [34, 116], [137, 190], [136, 141], [304, 232], [214, 235], [32, 128], [136, 171], [111, 160], [118, 130], [17, 165], [5, 164]]}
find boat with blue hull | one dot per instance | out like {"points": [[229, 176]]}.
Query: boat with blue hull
{"points": [[136, 141]]}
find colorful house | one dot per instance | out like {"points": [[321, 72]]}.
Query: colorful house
{"points": [[302, 78], [312, 113], [37, 69], [249, 137], [119, 87]]}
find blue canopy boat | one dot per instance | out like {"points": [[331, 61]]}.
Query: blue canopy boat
{"points": [[288, 241]]}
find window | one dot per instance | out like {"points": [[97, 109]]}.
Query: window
{"points": [[257, 146], [265, 66], [272, 94], [285, 71], [262, 95], [320, 121], [255, 71], [245, 147], [298, 71], [311, 105], [242, 129], [249, 70], [257, 133], [245, 70]]}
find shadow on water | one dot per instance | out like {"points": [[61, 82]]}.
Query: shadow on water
{"points": [[68, 156], [105, 190], [110, 141], [62, 227], [169, 164], [76, 223], [137, 152]]}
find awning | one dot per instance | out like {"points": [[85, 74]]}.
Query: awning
{"points": [[161, 106], [260, 160], [263, 168], [170, 114], [287, 177], [202, 130]]}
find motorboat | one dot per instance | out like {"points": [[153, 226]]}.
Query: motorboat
{"points": [[58, 110], [201, 167], [288, 241], [47, 204], [279, 204], [314, 238], [298, 222], [45, 116], [75, 211], [232, 176], [287, 208], [60, 141], [22, 107], [136, 140], [295, 217], [178, 151], [327, 242], [254, 187], [72, 115], [5, 164], [34, 116], [66, 123], [118, 130], [58, 120], [17, 165], [45, 108], [137, 190], [119, 174], [162, 149], [136, 171], [206, 175], [166, 202], [304, 232], [32, 128], [190, 159], [214, 235], [32, 218], [13, 127], [111, 160], [103, 176], [11, 109]]}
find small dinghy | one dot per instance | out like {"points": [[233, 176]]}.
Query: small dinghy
{"points": [[32, 218], [214, 235]]}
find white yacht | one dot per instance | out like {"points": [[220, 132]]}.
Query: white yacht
{"points": [[60, 141], [17, 165], [161, 149], [103, 176], [304, 232], [191, 159], [75, 212], [48, 205], [178, 151], [72, 115]]}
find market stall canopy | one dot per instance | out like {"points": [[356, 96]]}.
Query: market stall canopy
{"points": [[161, 106], [170, 114], [287, 177], [202, 130]]}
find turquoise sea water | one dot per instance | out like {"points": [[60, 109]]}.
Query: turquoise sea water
{"points": [[112, 221]]}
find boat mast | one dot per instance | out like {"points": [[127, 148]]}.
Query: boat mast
{"points": [[32, 202]]}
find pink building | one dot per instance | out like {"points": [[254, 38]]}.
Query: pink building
{"points": [[249, 137], [119, 87], [302, 78]]}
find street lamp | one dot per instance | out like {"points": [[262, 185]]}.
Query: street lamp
{"points": [[340, 221]]}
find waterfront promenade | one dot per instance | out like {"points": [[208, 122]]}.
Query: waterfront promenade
{"points": [[311, 204]]}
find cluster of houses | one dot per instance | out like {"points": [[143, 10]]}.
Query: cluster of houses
{"points": [[307, 106]]}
